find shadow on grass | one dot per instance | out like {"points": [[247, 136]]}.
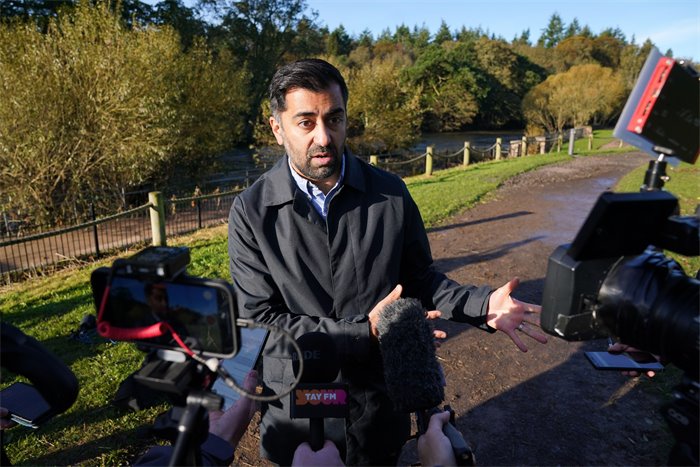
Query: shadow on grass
{"points": [[46, 306], [134, 441]]}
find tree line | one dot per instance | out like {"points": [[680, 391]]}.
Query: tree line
{"points": [[98, 95]]}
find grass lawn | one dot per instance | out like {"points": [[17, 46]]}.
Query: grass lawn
{"points": [[93, 432]]}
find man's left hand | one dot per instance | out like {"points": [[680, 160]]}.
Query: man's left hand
{"points": [[512, 316]]}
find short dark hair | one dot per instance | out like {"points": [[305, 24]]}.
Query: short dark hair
{"points": [[310, 73]]}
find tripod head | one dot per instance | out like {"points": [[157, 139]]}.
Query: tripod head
{"points": [[186, 424]]}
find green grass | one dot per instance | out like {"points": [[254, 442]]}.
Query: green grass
{"points": [[449, 191], [684, 183], [93, 432]]}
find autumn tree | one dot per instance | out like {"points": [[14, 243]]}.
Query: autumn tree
{"points": [[97, 106], [261, 34], [451, 86], [383, 107], [585, 94], [607, 47], [574, 50], [507, 77], [632, 58]]}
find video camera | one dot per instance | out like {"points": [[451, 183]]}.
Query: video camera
{"points": [[613, 279]]}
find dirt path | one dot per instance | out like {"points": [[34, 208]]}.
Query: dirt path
{"points": [[547, 406]]}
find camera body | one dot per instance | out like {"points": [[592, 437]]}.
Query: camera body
{"points": [[614, 279], [609, 282], [149, 299]]}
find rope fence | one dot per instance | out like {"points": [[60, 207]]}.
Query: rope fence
{"points": [[23, 255]]}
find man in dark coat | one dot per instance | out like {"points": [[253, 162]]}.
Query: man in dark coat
{"points": [[322, 242]]}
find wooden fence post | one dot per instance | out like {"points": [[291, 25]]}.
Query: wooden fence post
{"points": [[572, 139], [590, 142], [467, 146], [498, 149], [524, 147], [541, 142], [374, 160], [429, 161], [157, 217]]}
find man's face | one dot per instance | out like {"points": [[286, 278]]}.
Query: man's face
{"points": [[158, 300], [312, 131]]}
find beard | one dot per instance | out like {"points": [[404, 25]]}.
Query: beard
{"points": [[319, 172]]}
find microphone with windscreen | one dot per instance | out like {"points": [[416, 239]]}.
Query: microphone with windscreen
{"points": [[413, 376], [317, 397]]}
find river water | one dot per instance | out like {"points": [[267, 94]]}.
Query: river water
{"points": [[241, 166], [455, 141]]}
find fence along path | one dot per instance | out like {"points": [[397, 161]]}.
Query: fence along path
{"points": [[25, 256], [45, 252]]}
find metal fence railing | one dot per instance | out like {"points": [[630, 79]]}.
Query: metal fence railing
{"points": [[184, 215], [42, 253]]}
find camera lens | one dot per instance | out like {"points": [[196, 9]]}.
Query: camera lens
{"points": [[649, 303]]}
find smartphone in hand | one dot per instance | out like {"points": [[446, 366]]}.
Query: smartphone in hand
{"points": [[25, 404], [621, 362]]}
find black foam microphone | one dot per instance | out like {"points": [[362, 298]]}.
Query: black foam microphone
{"points": [[316, 396], [413, 376]]}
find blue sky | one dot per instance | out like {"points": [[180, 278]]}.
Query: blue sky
{"points": [[670, 24]]}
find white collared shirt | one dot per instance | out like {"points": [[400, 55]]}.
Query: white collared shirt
{"points": [[319, 200]]}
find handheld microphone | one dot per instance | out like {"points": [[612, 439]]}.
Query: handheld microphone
{"points": [[413, 376], [317, 397]]}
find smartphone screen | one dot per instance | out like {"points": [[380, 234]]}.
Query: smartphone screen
{"points": [[609, 361], [200, 311], [252, 341]]}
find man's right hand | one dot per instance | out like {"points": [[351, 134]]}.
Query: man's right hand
{"points": [[379, 307], [392, 297]]}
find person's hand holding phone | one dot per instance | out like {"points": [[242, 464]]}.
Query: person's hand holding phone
{"points": [[5, 420], [639, 356]]}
